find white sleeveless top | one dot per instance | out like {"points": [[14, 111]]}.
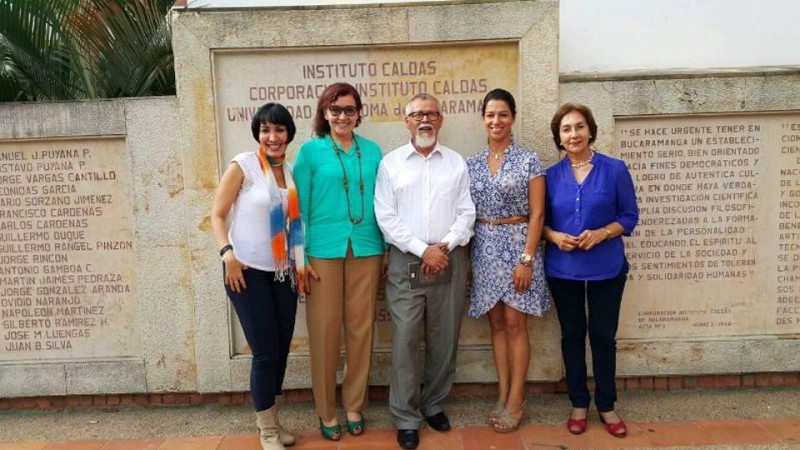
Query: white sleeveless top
{"points": [[250, 230]]}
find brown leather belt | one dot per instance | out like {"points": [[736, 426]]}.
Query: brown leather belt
{"points": [[505, 220]]}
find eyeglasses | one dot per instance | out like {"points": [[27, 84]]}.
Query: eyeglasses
{"points": [[348, 111], [419, 115]]}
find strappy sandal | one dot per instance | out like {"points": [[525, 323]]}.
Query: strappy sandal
{"points": [[495, 413], [508, 424]]}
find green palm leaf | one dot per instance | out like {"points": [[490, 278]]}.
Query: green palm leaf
{"points": [[74, 49]]}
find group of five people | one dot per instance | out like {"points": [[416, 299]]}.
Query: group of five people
{"points": [[344, 217]]}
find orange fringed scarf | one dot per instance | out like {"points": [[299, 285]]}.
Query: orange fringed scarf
{"points": [[286, 230]]}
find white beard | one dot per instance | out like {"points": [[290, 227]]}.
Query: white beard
{"points": [[422, 141]]}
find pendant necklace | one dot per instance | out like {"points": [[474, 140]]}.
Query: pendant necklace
{"points": [[339, 152]]}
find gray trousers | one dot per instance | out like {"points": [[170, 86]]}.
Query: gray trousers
{"points": [[433, 313]]}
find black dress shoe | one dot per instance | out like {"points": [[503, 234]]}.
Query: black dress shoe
{"points": [[408, 439], [439, 421]]}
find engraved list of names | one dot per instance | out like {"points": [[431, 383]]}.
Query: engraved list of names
{"points": [[67, 259], [716, 251]]}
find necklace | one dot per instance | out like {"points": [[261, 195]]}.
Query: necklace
{"points": [[497, 155], [500, 153], [265, 160], [339, 152], [583, 163], [274, 162]]}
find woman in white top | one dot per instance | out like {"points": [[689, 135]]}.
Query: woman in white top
{"points": [[263, 259]]}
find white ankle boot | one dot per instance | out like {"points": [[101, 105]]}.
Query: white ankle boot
{"points": [[287, 438], [268, 429]]}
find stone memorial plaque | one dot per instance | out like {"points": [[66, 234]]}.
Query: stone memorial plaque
{"points": [[67, 258], [459, 75], [717, 249]]}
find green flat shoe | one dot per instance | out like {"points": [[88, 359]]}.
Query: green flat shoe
{"points": [[331, 433], [357, 427]]}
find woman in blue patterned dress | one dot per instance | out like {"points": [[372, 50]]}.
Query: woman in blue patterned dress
{"points": [[508, 189]]}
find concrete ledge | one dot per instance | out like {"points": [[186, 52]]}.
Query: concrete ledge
{"points": [[381, 393], [51, 120], [108, 377], [27, 380]]}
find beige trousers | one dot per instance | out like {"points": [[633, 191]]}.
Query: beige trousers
{"points": [[345, 296]]}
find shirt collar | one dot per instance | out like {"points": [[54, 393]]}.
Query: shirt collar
{"points": [[411, 150]]}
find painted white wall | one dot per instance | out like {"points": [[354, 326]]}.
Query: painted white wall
{"points": [[653, 35], [616, 35]]}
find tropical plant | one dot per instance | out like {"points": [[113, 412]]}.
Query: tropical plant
{"points": [[78, 49]]}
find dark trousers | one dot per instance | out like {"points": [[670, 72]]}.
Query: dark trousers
{"points": [[604, 299], [266, 310]]}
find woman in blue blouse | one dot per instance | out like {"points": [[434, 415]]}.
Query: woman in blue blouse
{"points": [[591, 203]]}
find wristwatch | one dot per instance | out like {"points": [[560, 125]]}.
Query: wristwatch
{"points": [[526, 260]]}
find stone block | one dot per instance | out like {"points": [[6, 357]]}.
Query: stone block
{"points": [[108, 377], [29, 380], [41, 120]]}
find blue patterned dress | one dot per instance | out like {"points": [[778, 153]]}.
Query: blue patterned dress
{"points": [[496, 248]]}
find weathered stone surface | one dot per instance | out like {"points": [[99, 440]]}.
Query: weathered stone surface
{"points": [[153, 325], [109, 377], [721, 317], [29, 380], [530, 29], [166, 318], [46, 120], [153, 141]]}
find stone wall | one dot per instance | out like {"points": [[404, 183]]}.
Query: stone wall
{"points": [[715, 279], [229, 62], [111, 284], [96, 288]]}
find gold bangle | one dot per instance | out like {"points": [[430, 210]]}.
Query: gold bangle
{"points": [[608, 232]]}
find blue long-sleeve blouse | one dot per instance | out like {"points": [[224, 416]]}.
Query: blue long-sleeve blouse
{"points": [[606, 195]]}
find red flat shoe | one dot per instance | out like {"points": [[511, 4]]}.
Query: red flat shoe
{"points": [[576, 426], [615, 429]]}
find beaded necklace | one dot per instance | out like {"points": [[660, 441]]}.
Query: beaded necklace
{"points": [[339, 152], [583, 163]]}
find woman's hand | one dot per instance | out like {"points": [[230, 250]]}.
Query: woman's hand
{"points": [[301, 283], [385, 266], [589, 238], [523, 277], [233, 272], [565, 242], [310, 273]]}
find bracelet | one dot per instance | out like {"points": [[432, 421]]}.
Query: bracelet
{"points": [[224, 250], [526, 260], [608, 232]]}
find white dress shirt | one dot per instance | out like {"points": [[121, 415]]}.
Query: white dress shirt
{"points": [[421, 201]]}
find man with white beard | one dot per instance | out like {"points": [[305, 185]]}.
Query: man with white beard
{"points": [[425, 212]]}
